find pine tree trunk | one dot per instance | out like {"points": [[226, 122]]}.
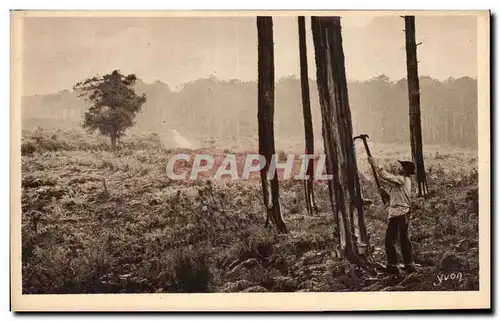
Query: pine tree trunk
{"points": [[414, 98], [328, 140], [306, 109], [113, 137], [337, 132], [265, 117]]}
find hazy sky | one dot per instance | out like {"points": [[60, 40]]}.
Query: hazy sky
{"points": [[58, 52]]}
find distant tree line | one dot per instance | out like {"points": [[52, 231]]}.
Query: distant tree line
{"points": [[379, 107], [211, 107], [448, 110]]}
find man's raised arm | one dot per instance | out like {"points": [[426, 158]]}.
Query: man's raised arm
{"points": [[386, 176]]}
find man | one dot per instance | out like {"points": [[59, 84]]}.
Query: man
{"points": [[399, 212]]}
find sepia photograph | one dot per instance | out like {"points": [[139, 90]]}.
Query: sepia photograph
{"points": [[245, 160]]}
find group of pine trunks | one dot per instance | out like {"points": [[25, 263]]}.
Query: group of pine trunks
{"points": [[344, 187]]}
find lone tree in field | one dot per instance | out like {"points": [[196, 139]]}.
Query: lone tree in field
{"points": [[265, 118], [337, 130], [414, 98], [114, 104], [306, 110]]}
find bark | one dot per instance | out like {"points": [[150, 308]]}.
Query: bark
{"points": [[265, 117], [337, 131], [414, 99], [328, 143], [306, 110]]}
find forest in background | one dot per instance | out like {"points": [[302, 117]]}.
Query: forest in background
{"points": [[217, 108]]}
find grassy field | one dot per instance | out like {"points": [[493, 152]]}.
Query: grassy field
{"points": [[98, 221]]}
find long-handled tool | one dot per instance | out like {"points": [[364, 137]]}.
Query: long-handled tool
{"points": [[383, 193]]}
